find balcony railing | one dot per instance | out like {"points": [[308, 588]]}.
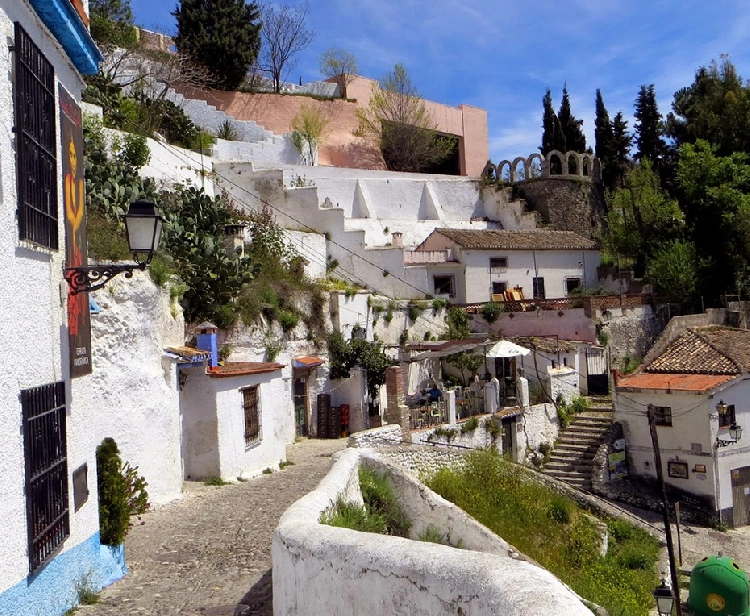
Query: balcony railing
{"points": [[589, 303]]}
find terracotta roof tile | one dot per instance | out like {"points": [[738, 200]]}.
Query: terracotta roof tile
{"points": [[712, 350], [240, 368], [537, 239], [675, 382]]}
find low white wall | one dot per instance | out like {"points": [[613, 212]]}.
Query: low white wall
{"points": [[540, 425], [318, 569]]}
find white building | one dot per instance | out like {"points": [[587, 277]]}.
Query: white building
{"points": [[50, 530], [700, 389], [470, 266]]}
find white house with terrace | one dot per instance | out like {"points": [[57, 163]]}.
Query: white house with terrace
{"points": [[699, 386], [476, 266]]}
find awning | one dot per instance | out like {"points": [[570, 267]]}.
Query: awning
{"points": [[307, 362], [506, 348], [434, 350]]}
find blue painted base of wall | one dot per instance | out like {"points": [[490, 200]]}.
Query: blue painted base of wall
{"points": [[52, 591]]}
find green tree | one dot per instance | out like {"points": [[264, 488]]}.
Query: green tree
{"points": [[398, 124], [339, 65], [604, 141], [715, 194], [621, 142], [345, 355], [649, 129], [308, 128], [641, 217], [715, 108], [552, 135], [571, 127], [112, 488], [111, 23], [673, 271], [221, 35]]}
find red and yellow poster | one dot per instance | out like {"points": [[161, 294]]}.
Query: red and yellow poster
{"points": [[79, 317]]}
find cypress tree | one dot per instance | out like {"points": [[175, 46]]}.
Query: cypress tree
{"points": [[549, 120], [574, 138], [621, 142], [648, 128], [603, 141], [223, 36]]}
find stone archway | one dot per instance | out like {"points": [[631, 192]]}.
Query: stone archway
{"points": [[557, 164], [504, 168], [514, 169], [534, 166]]}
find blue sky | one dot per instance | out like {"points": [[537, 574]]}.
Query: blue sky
{"points": [[502, 55]]}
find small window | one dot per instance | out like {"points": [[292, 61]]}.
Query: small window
{"points": [[498, 264], [571, 284], [538, 286], [663, 415], [499, 287], [728, 418], [444, 285], [252, 415]]}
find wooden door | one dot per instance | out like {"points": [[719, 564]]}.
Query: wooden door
{"points": [[740, 496]]}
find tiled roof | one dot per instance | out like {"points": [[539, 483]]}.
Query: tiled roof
{"points": [[308, 362], [537, 239], [674, 382], [711, 350], [240, 368]]}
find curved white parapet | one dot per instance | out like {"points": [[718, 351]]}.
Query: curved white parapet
{"points": [[319, 569]]}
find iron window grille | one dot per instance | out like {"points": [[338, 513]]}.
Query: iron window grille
{"points": [[728, 418], [663, 415], [498, 264], [36, 143], [47, 506], [252, 414]]}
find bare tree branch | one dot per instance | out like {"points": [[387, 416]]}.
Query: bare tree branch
{"points": [[283, 36]]}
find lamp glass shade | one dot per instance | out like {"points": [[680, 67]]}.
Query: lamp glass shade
{"points": [[143, 225], [735, 432], [722, 408], [664, 599]]}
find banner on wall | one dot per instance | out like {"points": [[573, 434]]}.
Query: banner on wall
{"points": [[79, 318]]}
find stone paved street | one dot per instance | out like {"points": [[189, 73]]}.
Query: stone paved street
{"points": [[211, 551]]}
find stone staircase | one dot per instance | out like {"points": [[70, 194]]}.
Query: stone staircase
{"points": [[572, 459]]}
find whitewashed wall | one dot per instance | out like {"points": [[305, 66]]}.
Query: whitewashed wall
{"points": [[213, 425], [563, 381], [540, 424], [691, 438], [34, 318], [392, 575], [523, 265]]}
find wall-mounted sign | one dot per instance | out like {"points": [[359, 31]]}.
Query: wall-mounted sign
{"points": [[678, 470], [620, 444], [618, 465], [79, 321], [699, 468]]}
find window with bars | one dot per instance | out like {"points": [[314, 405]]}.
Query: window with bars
{"points": [[728, 418], [663, 415], [47, 507], [36, 143], [444, 285], [252, 414], [498, 264], [538, 287]]}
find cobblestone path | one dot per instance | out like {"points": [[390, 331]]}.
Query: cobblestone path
{"points": [[210, 553]]}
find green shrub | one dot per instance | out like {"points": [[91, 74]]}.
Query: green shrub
{"points": [[491, 311], [470, 425], [136, 488], [431, 535], [380, 500], [414, 309], [288, 320], [106, 238], [114, 506], [440, 432], [579, 404], [227, 131], [215, 481], [355, 517], [135, 151], [559, 510]]}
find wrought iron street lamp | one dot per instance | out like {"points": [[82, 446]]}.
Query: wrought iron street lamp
{"points": [[664, 599], [735, 434], [143, 225]]}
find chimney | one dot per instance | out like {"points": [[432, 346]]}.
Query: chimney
{"points": [[398, 239], [234, 239], [205, 334]]}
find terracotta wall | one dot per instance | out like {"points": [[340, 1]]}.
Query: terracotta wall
{"points": [[275, 112]]}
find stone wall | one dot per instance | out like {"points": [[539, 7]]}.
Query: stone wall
{"points": [[567, 203], [631, 332], [375, 437]]}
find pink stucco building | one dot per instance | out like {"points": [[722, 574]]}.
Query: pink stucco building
{"points": [[341, 148]]}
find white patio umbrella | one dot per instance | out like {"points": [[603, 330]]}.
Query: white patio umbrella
{"points": [[505, 348]]}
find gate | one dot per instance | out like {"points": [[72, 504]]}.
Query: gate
{"points": [[597, 375], [300, 406]]}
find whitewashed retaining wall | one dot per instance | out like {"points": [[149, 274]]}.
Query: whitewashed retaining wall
{"points": [[540, 425], [563, 380], [364, 573]]}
